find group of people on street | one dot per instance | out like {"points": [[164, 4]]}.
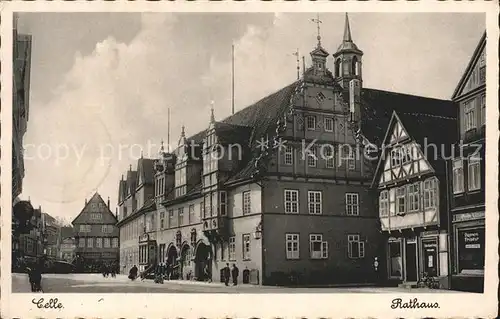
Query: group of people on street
{"points": [[231, 273], [109, 270]]}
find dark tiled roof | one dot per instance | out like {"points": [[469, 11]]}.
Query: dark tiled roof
{"points": [[122, 190], [66, 232], [145, 167], [377, 107], [131, 182], [230, 133]]}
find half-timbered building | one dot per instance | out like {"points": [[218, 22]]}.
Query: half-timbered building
{"points": [[468, 176], [412, 186]]}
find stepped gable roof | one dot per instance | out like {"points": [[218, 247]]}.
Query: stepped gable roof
{"points": [[377, 107]]}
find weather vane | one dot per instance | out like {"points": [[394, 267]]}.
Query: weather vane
{"points": [[318, 22]]}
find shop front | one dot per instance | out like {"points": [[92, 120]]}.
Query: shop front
{"points": [[410, 257], [147, 252], [469, 239]]}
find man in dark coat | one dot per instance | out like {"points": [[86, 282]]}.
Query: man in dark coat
{"points": [[234, 273], [35, 276], [227, 274], [133, 273]]}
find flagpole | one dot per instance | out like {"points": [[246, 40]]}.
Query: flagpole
{"points": [[168, 131], [232, 79]]}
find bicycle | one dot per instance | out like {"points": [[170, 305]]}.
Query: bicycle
{"points": [[427, 281]]}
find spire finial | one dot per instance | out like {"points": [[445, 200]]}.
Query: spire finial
{"points": [[347, 29], [183, 133], [296, 53], [162, 149], [130, 167], [212, 116], [318, 22]]}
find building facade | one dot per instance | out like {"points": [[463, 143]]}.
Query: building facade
{"points": [[96, 236], [50, 233], [467, 172], [413, 195], [67, 245], [280, 188]]}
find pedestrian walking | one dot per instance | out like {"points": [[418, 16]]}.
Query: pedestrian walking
{"points": [[234, 273], [133, 273], [227, 274]]}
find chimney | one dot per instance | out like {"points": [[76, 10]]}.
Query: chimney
{"points": [[85, 201], [354, 100], [116, 213], [108, 203]]}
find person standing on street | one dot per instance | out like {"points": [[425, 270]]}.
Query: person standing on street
{"points": [[234, 273], [227, 274]]}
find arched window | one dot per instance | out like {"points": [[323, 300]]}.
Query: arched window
{"points": [[337, 67], [354, 66]]}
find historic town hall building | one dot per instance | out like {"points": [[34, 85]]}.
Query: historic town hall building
{"points": [[280, 188]]}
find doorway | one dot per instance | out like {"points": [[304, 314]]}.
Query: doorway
{"points": [[203, 263], [411, 261], [430, 259]]}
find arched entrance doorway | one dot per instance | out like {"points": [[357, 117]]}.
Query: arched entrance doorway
{"points": [[172, 261], [203, 261], [186, 262]]}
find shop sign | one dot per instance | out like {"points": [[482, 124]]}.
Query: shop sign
{"points": [[471, 239], [468, 216]]}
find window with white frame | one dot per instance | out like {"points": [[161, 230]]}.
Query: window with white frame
{"points": [[246, 246], [328, 124], [107, 229], [85, 228], [289, 155], [384, 203], [458, 176], [430, 190], [317, 247], [351, 160], [311, 123], [246, 202], [181, 216], [470, 115], [170, 218], [223, 203], [400, 200], [107, 243], [413, 197], [483, 109], [162, 220], [90, 242], [352, 204], [191, 214], [474, 173], [232, 248], [96, 216], [292, 246], [315, 202], [329, 156], [81, 242], [291, 201], [114, 242], [355, 247], [312, 157], [98, 242]]}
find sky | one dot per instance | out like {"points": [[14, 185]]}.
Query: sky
{"points": [[101, 83]]}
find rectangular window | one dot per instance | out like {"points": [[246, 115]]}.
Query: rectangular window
{"points": [[181, 216], [384, 203], [291, 201], [470, 115], [311, 123], [96, 216], [329, 156], [328, 124], [107, 243], [413, 197], [458, 176], [352, 204], [351, 160], [98, 242], [317, 247], [246, 202], [483, 109], [90, 242], [430, 190], [400, 200], [170, 218], [312, 157], [395, 157], [246, 246], [474, 173], [84, 228], [114, 242], [314, 202], [162, 220], [289, 155], [232, 248], [81, 242], [355, 248], [191, 214], [292, 246]]}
